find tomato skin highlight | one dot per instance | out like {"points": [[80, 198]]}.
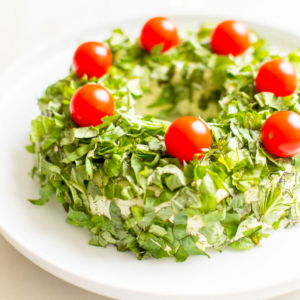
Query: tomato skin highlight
{"points": [[186, 137], [281, 134], [277, 76], [159, 30], [92, 59], [230, 37], [90, 104]]}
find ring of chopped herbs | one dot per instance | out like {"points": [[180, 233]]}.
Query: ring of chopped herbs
{"points": [[118, 181]]}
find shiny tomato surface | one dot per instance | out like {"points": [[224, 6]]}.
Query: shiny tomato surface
{"points": [[186, 137], [277, 76], [158, 31], [92, 59], [281, 134], [90, 104], [230, 37]]}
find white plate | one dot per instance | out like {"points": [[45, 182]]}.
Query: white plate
{"points": [[42, 235]]}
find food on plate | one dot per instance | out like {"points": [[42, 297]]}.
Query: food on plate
{"points": [[174, 148]]}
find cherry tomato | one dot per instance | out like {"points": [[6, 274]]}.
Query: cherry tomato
{"points": [[186, 137], [277, 76], [230, 37], [157, 31], [281, 134], [90, 104], [92, 59]]}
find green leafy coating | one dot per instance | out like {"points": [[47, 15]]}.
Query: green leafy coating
{"points": [[117, 179]]}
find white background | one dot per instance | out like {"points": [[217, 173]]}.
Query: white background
{"points": [[25, 24]]}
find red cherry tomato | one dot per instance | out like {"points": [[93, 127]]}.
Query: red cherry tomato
{"points": [[230, 37], [186, 137], [90, 104], [277, 76], [281, 134], [157, 31], [92, 59]]}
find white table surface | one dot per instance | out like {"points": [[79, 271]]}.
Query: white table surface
{"points": [[26, 24]]}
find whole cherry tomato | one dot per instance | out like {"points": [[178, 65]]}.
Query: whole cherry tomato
{"points": [[158, 31], [92, 59], [277, 76], [230, 37], [186, 137], [90, 104], [281, 134]]}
